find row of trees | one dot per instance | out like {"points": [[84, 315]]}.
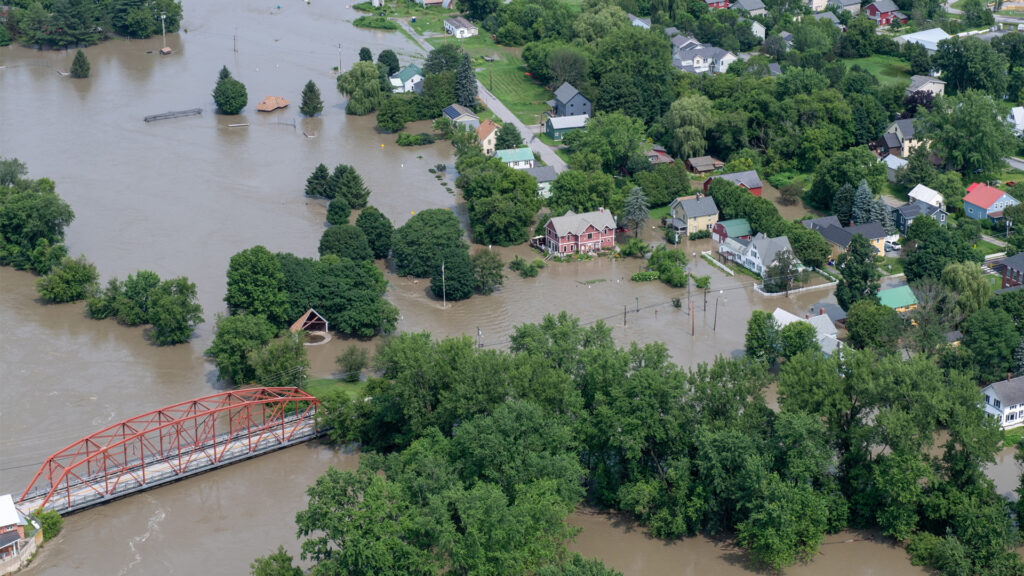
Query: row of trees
{"points": [[63, 23], [454, 431]]}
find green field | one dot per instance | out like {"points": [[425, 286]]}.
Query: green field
{"points": [[887, 69], [505, 77], [987, 248], [320, 386], [889, 266]]}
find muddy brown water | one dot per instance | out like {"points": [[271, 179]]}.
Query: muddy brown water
{"points": [[181, 196]]}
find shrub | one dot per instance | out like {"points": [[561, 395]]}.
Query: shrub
{"points": [[645, 276], [700, 234], [375, 22], [351, 363], [230, 96], [421, 139], [633, 247], [80, 66], [70, 281], [51, 523], [338, 212]]}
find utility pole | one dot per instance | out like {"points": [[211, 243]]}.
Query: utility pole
{"points": [[623, 314], [339, 57], [163, 27], [637, 303], [235, 39], [479, 344], [444, 290], [693, 325], [715, 329]]}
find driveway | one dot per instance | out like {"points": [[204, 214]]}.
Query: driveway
{"points": [[949, 7], [1014, 162], [546, 153]]}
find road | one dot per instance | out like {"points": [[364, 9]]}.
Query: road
{"points": [[1014, 162], [950, 9], [546, 153]]}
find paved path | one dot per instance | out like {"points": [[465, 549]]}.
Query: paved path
{"points": [[1014, 162], [546, 153], [996, 241], [950, 9]]}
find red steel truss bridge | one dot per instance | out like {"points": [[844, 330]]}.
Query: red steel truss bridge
{"points": [[169, 444]]}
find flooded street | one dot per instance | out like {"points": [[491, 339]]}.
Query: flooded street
{"points": [[179, 197]]}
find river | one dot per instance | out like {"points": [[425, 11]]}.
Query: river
{"points": [[179, 197]]}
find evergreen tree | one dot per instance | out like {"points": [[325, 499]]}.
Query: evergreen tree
{"points": [[465, 83], [312, 104], [388, 58], [318, 183], [346, 183], [843, 203], [860, 213], [338, 212], [230, 96], [635, 211], [365, 55], [224, 73], [80, 66], [881, 213], [508, 137]]}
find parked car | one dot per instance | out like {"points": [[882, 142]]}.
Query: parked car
{"points": [[892, 247]]}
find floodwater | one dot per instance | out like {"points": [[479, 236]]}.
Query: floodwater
{"points": [[179, 197]]}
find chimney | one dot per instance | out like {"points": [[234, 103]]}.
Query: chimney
{"points": [[821, 311], [807, 316], [601, 209]]}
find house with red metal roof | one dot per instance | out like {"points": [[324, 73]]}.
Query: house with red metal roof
{"points": [[984, 201], [885, 12]]}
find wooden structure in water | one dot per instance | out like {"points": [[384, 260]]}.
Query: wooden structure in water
{"points": [[311, 321], [174, 114]]}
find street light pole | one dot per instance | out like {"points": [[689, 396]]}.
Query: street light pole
{"points": [[715, 329]]}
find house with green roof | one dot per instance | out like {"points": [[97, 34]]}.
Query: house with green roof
{"points": [[408, 79], [518, 158], [900, 299], [737, 228]]}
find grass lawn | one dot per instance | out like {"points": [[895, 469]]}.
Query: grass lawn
{"points": [[320, 386], [547, 140], [888, 69], [890, 266], [987, 248], [659, 213], [562, 154], [995, 281]]}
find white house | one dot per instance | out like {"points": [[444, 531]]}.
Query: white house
{"points": [[703, 59], [756, 254], [1005, 401], [517, 158], [824, 328], [756, 28], [752, 7], [892, 164], [1016, 119], [460, 27], [407, 79], [922, 193], [929, 84], [816, 5], [928, 38]]}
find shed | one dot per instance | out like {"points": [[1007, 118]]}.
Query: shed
{"points": [[900, 299], [311, 321], [559, 126]]}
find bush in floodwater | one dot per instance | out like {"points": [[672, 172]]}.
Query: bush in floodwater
{"points": [[51, 523], [230, 96], [645, 276], [72, 280], [351, 363], [80, 66]]}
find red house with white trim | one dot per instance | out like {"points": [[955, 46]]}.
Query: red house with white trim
{"points": [[885, 12], [580, 233], [717, 4], [747, 179]]}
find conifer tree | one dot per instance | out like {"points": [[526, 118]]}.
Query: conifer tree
{"points": [[80, 66], [389, 58], [465, 83], [843, 203], [224, 73], [312, 104], [883, 215], [318, 182], [862, 199]]}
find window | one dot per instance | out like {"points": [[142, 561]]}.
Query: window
{"points": [[988, 400], [590, 235], [997, 403]]}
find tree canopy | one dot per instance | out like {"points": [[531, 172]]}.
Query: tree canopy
{"points": [[417, 244]]}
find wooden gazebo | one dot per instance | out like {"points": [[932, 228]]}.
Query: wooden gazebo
{"points": [[311, 321]]}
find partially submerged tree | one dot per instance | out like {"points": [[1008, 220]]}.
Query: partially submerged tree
{"points": [[312, 104], [80, 65]]}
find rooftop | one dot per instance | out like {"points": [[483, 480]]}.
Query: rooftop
{"points": [[457, 111], [565, 92], [899, 297], [922, 193], [906, 126], [459, 22], [983, 195], [9, 515], [567, 122], [748, 179], [696, 207], [928, 38], [736, 227], [1010, 392], [576, 224], [523, 154], [542, 174], [917, 82], [407, 73], [885, 5], [704, 163], [748, 5], [486, 128]]}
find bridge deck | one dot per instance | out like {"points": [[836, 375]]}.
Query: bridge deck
{"points": [[225, 449]]}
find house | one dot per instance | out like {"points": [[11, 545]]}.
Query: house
{"points": [[693, 213], [774, 69], [822, 222], [928, 38], [517, 158], [984, 201], [639, 22], [717, 4], [892, 164], [830, 16], [16, 547], [407, 79], [906, 131], [703, 164], [487, 135], [840, 237], [672, 31], [851, 6], [1016, 119], [757, 254], [752, 7], [558, 126], [703, 59], [1004, 400], [580, 233], [824, 328], [929, 84], [903, 216], [900, 299], [737, 228], [544, 175], [459, 114], [922, 193], [836, 314], [885, 12], [816, 5], [569, 102], [747, 179], [787, 37], [681, 42], [658, 155], [1013, 271], [756, 28], [460, 27], [888, 145]]}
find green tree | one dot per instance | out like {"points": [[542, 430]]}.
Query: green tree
{"points": [[991, 338], [842, 203], [508, 137], [50, 522], [860, 212], [580, 191], [871, 325], [631, 68], [478, 9], [351, 363], [762, 339], [312, 104], [224, 73], [389, 59], [808, 246], [230, 96], [345, 241], [362, 86], [276, 564], [394, 112], [635, 211], [798, 337], [235, 339], [11, 170], [501, 201], [417, 244], [847, 167], [970, 286], [338, 212], [977, 14], [346, 183], [32, 222], [131, 301], [453, 277], [465, 83], [175, 312], [609, 142], [859, 273], [933, 247], [780, 275], [687, 123], [282, 362], [80, 65], [365, 55], [445, 58], [568, 64], [378, 230], [968, 132], [256, 286], [5, 37], [787, 524], [72, 280], [487, 271], [318, 183], [971, 63]]}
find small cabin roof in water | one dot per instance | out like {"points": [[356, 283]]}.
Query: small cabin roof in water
{"points": [[311, 321]]}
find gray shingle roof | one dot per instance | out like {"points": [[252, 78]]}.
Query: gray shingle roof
{"points": [[1010, 392], [917, 82], [748, 5], [565, 92], [1016, 261], [836, 235], [885, 5], [542, 173], [833, 310], [870, 230], [890, 140], [696, 207], [769, 248], [576, 224], [566, 122], [830, 16], [748, 179], [823, 222], [906, 127]]}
